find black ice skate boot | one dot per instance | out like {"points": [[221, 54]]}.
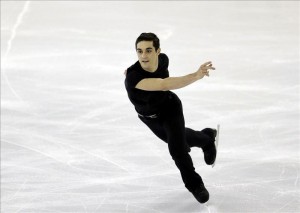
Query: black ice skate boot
{"points": [[210, 151], [212, 133], [201, 194]]}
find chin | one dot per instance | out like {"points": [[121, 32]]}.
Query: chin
{"points": [[146, 68]]}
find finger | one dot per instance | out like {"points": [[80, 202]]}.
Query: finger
{"points": [[206, 73], [205, 64], [205, 69]]}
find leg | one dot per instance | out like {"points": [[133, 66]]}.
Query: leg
{"points": [[198, 139], [170, 128], [174, 125], [178, 149], [193, 138], [155, 125], [204, 139], [176, 134]]}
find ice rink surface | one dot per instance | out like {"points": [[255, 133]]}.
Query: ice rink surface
{"points": [[71, 140]]}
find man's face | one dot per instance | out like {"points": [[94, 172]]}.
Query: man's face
{"points": [[147, 55]]}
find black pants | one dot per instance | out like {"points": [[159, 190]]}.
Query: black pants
{"points": [[169, 126]]}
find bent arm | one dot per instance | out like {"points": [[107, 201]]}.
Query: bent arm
{"points": [[172, 83]]}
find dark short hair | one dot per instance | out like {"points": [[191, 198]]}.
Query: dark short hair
{"points": [[148, 37]]}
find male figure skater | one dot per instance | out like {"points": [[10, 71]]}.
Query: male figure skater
{"points": [[148, 86]]}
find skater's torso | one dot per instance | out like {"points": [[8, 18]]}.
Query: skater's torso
{"points": [[147, 102]]}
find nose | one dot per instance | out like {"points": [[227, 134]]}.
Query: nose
{"points": [[143, 55]]}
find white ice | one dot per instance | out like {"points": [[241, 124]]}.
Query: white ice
{"points": [[71, 141]]}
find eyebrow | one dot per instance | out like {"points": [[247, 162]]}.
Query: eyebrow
{"points": [[148, 48]]}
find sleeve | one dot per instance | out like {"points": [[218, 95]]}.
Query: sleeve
{"points": [[165, 61], [133, 78], [164, 65]]}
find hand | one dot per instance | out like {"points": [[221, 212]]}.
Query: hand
{"points": [[204, 69]]}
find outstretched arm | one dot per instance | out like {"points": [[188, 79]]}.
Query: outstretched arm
{"points": [[172, 83]]}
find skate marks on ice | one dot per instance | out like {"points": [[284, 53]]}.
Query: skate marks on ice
{"points": [[77, 146], [260, 181], [9, 46]]}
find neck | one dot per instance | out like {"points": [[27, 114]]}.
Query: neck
{"points": [[152, 69]]}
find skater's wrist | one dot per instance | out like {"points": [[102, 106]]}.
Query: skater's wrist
{"points": [[198, 75]]}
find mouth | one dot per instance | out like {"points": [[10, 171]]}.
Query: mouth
{"points": [[145, 61]]}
